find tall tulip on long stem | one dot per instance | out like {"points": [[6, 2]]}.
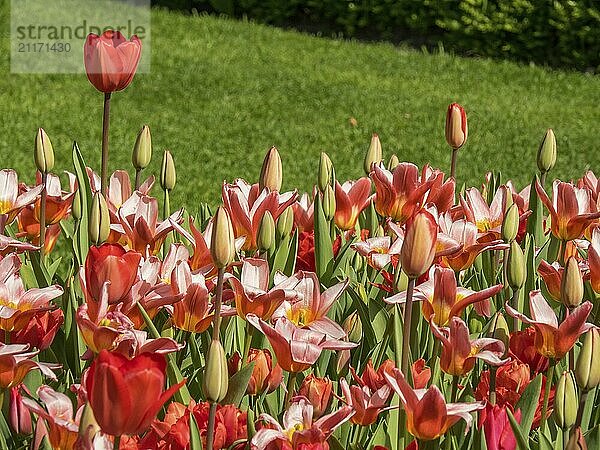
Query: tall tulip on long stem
{"points": [[110, 64], [456, 132], [44, 161]]}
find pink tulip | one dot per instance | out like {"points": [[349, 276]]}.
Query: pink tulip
{"points": [[111, 60], [350, 199], [11, 199], [498, 432], [486, 218], [552, 340], [296, 348], [304, 209], [379, 251], [16, 362], [594, 260]]}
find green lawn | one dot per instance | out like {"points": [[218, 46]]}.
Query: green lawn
{"points": [[221, 92]]}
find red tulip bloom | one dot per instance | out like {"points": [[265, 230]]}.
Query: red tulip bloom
{"points": [[511, 380], [456, 126], [58, 202], [571, 209], [487, 218], [552, 275], [296, 348], [594, 260], [421, 374], [428, 415], [366, 403], [522, 347], [350, 199], [459, 352], [442, 299], [41, 329], [399, 194], [298, 430], [19, 415], [111, 60], [126, 395], [318, 391], [304, 210], [266, 376], [110, 262], [551, 339]]}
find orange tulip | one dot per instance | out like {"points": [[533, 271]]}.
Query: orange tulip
{"points": [[571, 209], [350, 199], [58, 202], [265, 377], [459, 352], [456, 126], [367, 403], [594, 260], [318, 391], [551, 339], [419, 246], [139, 383], [111, 60], [552, 275], [428, 415], [16, 362]]}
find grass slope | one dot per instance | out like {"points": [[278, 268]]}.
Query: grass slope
{"points": [[221, 92]]}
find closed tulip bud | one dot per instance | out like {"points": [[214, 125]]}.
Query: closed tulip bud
{"points": [[358, 262], [76, 205], [374, 153], [99, 223], [266, 232], [546, 156], [325, 172], [576, 441], [222, 244], [329, 202], [142, 150], [318, 391], [515, 270], [510, 224], [285, 223], [571, 286], [353, 327], [499, 330], [393, 163], [418, 248], [587, 368], [565, 401], [44, 153], [216, 380], [456, 126], [271, 173], [168, 176]]}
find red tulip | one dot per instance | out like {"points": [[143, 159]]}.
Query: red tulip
{"points": [[594, 260], [350, 199], [41, 329], [318, 392], [266, 376], [418, 248], [110, 262], [421, 374], [111, 60], [497, 429], [19, 415], [522, 347], [125, 395], [456, 126]]}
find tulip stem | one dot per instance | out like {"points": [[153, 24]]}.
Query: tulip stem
{"points": [[210, 430], [582, 401], [166, 214], [218, 301], [138, 178], [117, 443], [291, 386], [492, 395], [543, 179], [247, 343], [407, 325], [105, 124], [549, 377], [454, 392], [453, 164], [43, 216]]}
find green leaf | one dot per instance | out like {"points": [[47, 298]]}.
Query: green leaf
{"points": [[535, 222], [592, 437], [323, 245], [81, 241], [195, 441], [521, 440], [238, 385], [528, 404]]}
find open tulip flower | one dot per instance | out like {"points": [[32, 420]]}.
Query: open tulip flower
{"points": [[29, 228], [350, 199], [252, 294], [366, 403], [111, 60], [58, 202], [486, 218], [309, 309], [304, 209], [16, 362], [442, 299], [553, 340], [427, 413], [298, 430], [459, 352], [441, 192], [379, 251], [12, 200], [552, 275], [399, 194], [571, 209], [594, 260], [296, 348], [247, 205]]}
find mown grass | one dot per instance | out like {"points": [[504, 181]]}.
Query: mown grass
{"points": [[221, 92]]}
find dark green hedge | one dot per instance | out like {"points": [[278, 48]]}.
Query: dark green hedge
{"points": [[564, 33]]}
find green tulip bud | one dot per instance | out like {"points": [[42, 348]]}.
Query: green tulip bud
{"points": [[285, 223], [168, 176], [76, 205], [515, 270], [499, 330], [358, 262], [510, 224], [266, 232], [571, 286], [374, 153], [353, 327], [393, 163], [325, 172], [44, 153], [271, 173], [142, 150], [99, 223], [329, 202], [216, 377], [566, 401], [546, 157], [587, 368], [222, 244]]}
